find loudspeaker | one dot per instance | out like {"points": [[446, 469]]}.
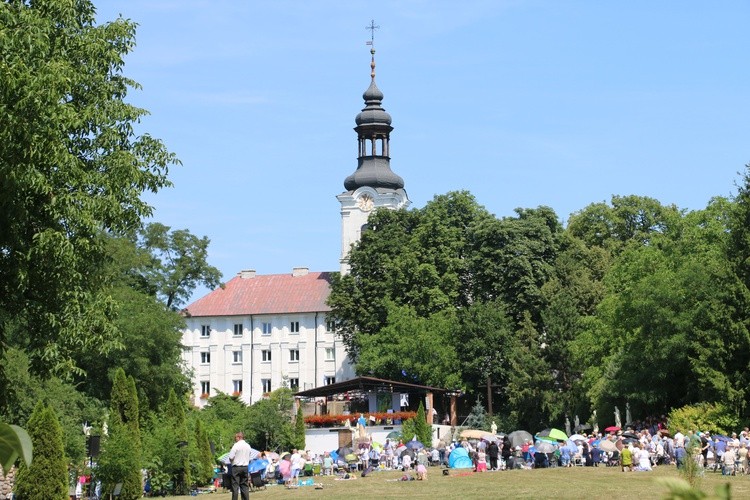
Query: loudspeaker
{"points": [[93, 445]]}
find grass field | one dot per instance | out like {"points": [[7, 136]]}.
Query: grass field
{"points": [[558, 483]]}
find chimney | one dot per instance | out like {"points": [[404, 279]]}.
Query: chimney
{"points": [[300, 271], [246, 273]]}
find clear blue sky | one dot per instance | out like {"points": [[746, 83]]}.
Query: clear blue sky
{"points": [[523, 103]]}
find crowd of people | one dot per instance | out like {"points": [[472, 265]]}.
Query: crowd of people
{"points": [[630, 450]]}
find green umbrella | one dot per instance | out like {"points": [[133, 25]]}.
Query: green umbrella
{"points": [[556, 434]]}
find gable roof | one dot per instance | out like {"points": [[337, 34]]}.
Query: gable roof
{"points": [[266, 294]]}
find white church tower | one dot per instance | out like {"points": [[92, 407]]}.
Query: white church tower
{"points": [[373, 185]]}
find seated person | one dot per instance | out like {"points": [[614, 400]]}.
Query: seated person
{"points": [[540, 460]]}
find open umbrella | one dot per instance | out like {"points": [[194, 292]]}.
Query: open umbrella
{"points": [[630, 435], [491, 438], [544, 447], [414, 445], [553, 434], [612, 428], [473, 433], [393, 435], [400, 449], [272, 455], [577, 437], [344, 451], [376, 446], [224, 458], [407, 452], [607, 445], [518, 438], [257, 465]]}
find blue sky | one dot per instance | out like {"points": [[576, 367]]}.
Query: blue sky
{"points": [[522, 102]]}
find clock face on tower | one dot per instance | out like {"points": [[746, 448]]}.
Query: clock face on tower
{"points": [[365, 202]]}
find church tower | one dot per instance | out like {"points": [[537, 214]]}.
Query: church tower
{"points": [[373, 185]]}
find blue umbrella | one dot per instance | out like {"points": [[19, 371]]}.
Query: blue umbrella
{"points": [[414, 445], [726, 439], [257, 465]]}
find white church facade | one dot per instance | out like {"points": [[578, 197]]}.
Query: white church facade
{"points": [[261, 332]]}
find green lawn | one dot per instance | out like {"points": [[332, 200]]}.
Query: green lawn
{"points": [[580, 482]]}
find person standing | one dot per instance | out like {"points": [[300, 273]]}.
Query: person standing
{"points": [[493, 452], [239, 457]]}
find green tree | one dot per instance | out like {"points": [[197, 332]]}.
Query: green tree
{"points": [[120, 461], [270, 421], [72, 166], [174, 418], [47, 476], [201, 458], [178, 263], [416, 258], [299, 430], [412, 349], [485, 334]]}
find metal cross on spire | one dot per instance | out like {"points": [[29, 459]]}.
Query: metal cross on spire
{"points": [[372, 27]]}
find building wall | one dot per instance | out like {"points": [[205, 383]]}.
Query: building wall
{"points": [[322, 357]]}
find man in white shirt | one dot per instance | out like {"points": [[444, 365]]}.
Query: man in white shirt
{"points": [[239, 457], [296, 459]]}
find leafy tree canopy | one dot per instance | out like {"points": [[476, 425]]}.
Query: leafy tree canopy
{"points": [[72, 166]]}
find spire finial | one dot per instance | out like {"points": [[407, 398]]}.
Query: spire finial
{"points": [[372, 27]]}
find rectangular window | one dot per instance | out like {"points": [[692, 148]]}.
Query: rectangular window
{"points": [[236, 356], [237, 387], [205, 357], [329, 380], [294, 327], [265, 355], [266, 328], [330, 354], [238, 330], [294, 384], [293, 354], [330, 326], [266, 382], [205, 330], [205, 387]]}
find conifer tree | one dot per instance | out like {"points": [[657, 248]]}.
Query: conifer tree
{"points": [[120, 461], [203, 459], [174, 416], [299, 430], [47, 476]]}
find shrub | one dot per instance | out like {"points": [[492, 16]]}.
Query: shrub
{"points": [[47, 476], [714, 417]]}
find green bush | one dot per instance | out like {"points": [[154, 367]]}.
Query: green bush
{"points": [[119, 462], [713, 417], [418, 427], [47, 476]]}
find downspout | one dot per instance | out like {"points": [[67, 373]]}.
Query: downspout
{"points": [[252, 329], [315, 352]]}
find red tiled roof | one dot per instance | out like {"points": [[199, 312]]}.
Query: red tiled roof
{"points": [[266, 294]]}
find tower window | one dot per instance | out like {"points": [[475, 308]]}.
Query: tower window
{"points": [[238, 330], [205, 357], [266, 355], [293, 354], [267, 328], [294, 327]]}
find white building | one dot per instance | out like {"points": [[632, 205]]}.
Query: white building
{"points": [[260, 332]]}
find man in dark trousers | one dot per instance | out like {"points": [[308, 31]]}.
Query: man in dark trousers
{"points": [[493, 452], [239, 456]]}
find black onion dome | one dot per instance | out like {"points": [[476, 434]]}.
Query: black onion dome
{"points": [[373, 113], [374, 172]]}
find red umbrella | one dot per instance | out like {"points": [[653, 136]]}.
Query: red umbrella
{"points": [[612, 428]]}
